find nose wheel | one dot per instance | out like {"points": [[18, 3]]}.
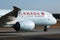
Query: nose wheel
{"points": [[45, 28]]}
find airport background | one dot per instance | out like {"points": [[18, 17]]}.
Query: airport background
{"points": [[51, 6]]}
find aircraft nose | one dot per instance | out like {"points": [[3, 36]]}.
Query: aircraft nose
{"points": [[54, 21]]}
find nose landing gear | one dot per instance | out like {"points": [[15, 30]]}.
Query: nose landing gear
{"points": [[45, 28]]}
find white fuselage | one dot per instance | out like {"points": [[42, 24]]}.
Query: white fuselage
{"points": [[38, 17]]}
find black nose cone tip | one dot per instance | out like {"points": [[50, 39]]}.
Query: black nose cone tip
{"points": [[16, 8]]}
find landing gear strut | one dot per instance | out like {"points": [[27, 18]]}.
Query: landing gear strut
{"points": [[45, 28]]}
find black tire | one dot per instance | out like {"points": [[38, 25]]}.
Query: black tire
{"points": [[45, 28]]}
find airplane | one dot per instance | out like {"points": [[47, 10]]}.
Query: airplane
{"points": [[26, 19]]}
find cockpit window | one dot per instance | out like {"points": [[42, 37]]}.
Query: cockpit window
{"points": [[49, 15]]}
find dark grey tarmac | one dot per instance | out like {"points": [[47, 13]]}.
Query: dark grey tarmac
{"points": [[36, 34]]}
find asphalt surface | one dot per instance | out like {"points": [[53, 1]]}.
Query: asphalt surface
{"points": [[36, 34]]}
